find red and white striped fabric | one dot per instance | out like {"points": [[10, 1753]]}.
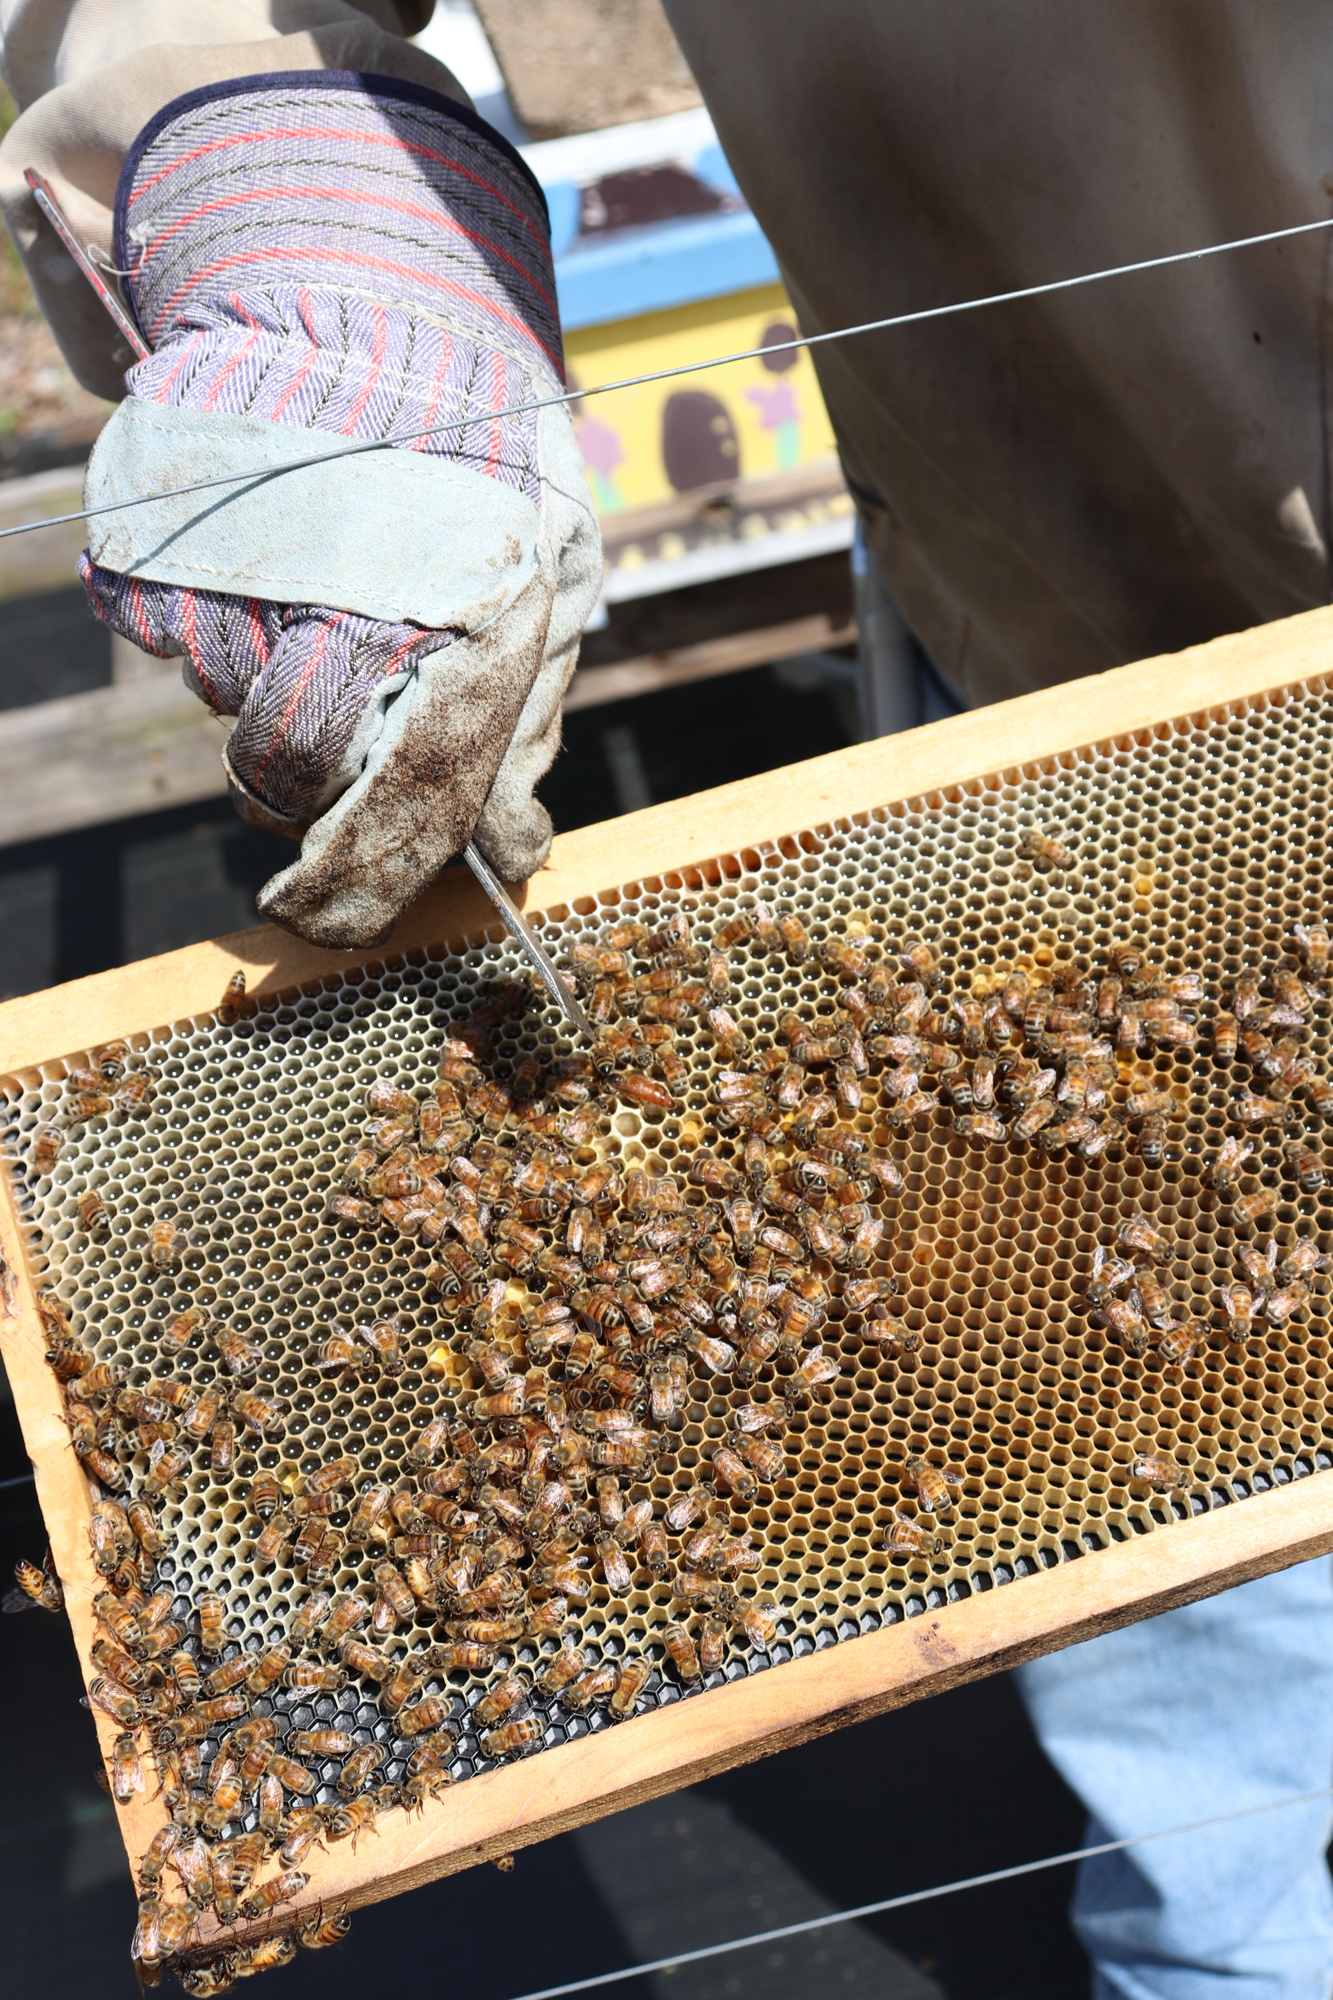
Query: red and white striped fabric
{"points": [[350, 255]]}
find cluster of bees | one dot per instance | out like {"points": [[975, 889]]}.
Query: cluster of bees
{"points": [[1263, 1025], [584, 1305]]}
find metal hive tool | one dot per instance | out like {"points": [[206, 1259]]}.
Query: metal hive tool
{"points": [[1039, 1410]]}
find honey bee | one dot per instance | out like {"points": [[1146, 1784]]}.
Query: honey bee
{"points": [[314, 1675], [682, 1652], [1251, 1207], [174, 1926], [135, 1093], [426, 1715], [906, 1537], [230, 1674], [1302, 1260], [238, 1356], [1139, 1233], [231, 1005], [320, 1742], [511, 1738], [278, 1889], [369, 1513], [270, 1954], [350, 1209], [814, 1372], [1044, 851], [757, 1620], [295, 1777], [185, 1673], [596, 1683], [1179, 1344], [1228, 1162], [144, 1947], [324, 1931], [90, 1104], [794, 937], [223, 1449], [346, 1616], [181, 1328], [1225, 1037], [1312, 946], [269, 1668], [935, 1486], [302, 1829], [159, 1852], [1279, 1306], [309, 1543], [109, 1535], [1306, 1168], [119, 1620], [260, 1413], [1156, 1469], [564, 1668], [1260, 1266], [166, 1244], [505, 1695], [393, 1593], [351, 1820], [93, 1214], [225, 1804], [634, 1677], [616, 1571], [1127, 1322], [644, 1090], [212, 1613], [116, 1700], [766, 1458], [1155, 1304], [266, 1496], [761, 1346], [95, 1382], [713, 1634], [359, 1658], [983, 1125], [1292, 997]]}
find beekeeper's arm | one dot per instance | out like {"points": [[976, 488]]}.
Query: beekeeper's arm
{"points": [[320, 241]]}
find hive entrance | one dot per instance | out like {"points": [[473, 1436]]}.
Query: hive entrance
{"points": [[1202, 845]]}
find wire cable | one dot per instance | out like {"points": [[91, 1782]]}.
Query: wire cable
{"points": [[262, 473], [23, 1479], [915, 1896]]}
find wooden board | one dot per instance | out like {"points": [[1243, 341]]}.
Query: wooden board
{"points": [[705, 838]]}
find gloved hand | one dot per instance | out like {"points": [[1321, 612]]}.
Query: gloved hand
{"points": [[323, 253]]}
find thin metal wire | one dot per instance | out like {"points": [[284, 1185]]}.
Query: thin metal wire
{"points": [[916, 1896], [260, 474], [23, 1479]]}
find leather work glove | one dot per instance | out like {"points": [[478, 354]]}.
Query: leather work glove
{"points": [[323, 255]]}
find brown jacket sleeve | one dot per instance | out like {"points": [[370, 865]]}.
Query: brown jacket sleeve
{"points": [[89, 74], [1054, 487]]}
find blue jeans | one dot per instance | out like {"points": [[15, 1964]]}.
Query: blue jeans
{"points": [[1220, 1705]]}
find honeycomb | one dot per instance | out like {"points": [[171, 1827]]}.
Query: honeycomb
{"points": [[1012, 1385]]}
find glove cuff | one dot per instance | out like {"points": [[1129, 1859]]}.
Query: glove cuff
{"points": [[255, 812], [367, 185]]}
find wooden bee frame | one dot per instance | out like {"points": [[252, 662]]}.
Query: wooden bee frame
{"points": [[564, 1787]]}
